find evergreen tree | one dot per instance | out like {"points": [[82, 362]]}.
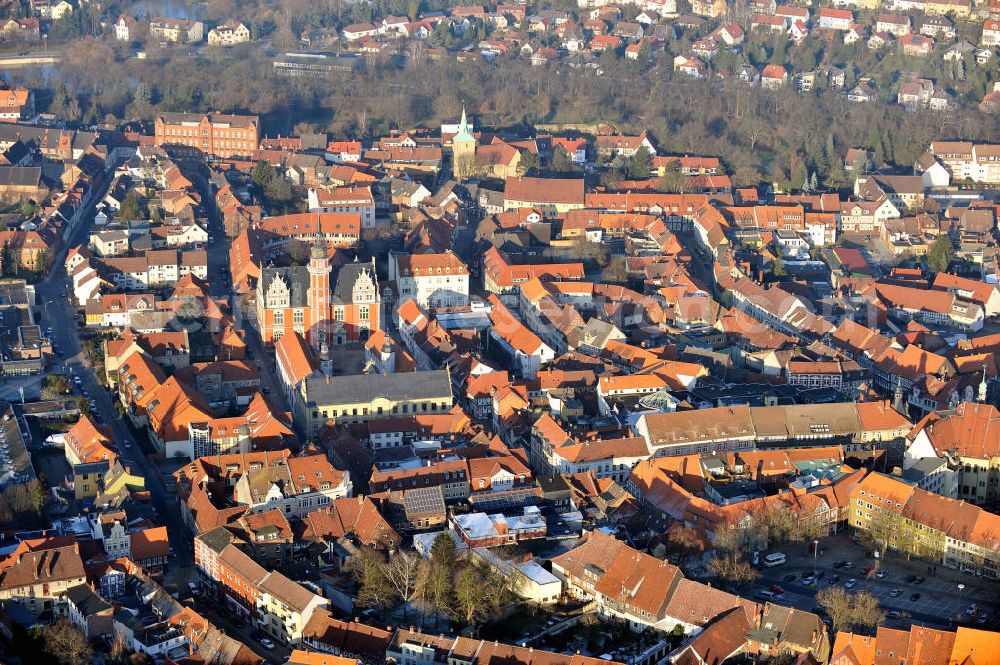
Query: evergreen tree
{"points": [[263, 174], [131, 208], [561, 161], [443, 550], [638, 168], [799, 175], [528, 163], [940, 254], [778, 268], [413, 10]]}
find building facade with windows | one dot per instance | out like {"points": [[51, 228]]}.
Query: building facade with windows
{"points": [[324, 308], [215, 134], [356, 399]]}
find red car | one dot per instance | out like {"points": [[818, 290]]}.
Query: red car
{"points": [[867, 571], [774, 588]]}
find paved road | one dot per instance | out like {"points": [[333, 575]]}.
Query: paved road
{"points": [[218, 258], [57, 312]]}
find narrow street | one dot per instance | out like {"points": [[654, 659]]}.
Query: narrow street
{"points": [[57, 312], [218, 261]]}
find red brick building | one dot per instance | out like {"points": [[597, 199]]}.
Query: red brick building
{"points": [[215, 134], [323, 307], [234, 576]]}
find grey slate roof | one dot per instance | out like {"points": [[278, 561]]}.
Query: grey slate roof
{"points": [[366, 387], [217, 539], [343, 285], [86, 601], [297, 279]]}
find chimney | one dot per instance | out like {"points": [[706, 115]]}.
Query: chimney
{"points": [[774, 640]]}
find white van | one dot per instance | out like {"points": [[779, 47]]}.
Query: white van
{"points": [[775, 559]]}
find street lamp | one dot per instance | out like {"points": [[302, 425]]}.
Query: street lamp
{"points": [[815, 554]]}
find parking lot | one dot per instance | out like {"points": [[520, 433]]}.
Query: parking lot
{"points": [[933, 599]]}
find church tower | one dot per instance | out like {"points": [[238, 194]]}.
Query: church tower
{"points": [[319, 293], [463, 150]]}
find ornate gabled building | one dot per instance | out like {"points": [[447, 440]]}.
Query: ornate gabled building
{"points": [[325, 305]]}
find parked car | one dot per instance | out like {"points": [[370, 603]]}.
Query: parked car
{"points": [[774, 588], [915, 597], [789, 578], [895, 593], [840, 564], [834, 579], [919, 580], [982, 618], [893, 614], [850, 584], [910, 579], [971, 609], [881, 574], [867, 570], [267, 644]]}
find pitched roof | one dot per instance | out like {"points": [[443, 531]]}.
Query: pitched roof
{"points": [[971, 430], [545, 190], [149, 543]]}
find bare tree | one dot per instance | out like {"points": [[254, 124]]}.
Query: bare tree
{"points": [[434, 588], [375, 590], [733, 568], [401, 570], [849, 610], [686, 538], [66, 643], [753, 129]]}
